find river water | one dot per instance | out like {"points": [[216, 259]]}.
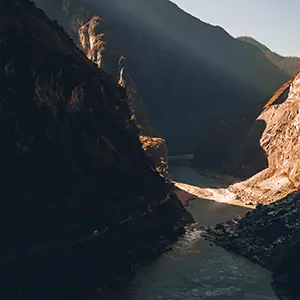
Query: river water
{"points": [[195, 269]]}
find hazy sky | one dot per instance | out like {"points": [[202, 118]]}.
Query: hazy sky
{"points": [[275, 23]]}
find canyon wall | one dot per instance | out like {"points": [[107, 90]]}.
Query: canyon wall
{"points": [[80, 205], [92, 41], [189, 74], [262, 148]]}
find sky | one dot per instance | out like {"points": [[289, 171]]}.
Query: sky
{"points": [[274, 23]]}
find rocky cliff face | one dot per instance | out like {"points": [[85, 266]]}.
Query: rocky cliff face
{"points": [[266, 148], [80, 205], [270, 234], [189, 74], [276, 140], [91, 38], [157, 150], [289, 64]]}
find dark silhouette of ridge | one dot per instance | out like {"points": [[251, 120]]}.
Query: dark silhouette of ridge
{"points": [[80, 205]]}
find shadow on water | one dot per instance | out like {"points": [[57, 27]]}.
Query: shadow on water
{"points": [[195, 269]]}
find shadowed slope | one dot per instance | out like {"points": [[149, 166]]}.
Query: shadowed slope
{"points": [[289, 64], [189, 74], [79, 205]]}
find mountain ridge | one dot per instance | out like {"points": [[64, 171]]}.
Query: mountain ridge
{"points": [[289, 64], [182, 68], [81, 205]]}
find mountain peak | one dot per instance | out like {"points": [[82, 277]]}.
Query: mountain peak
{"points": [[254, 42], [289, 64]]}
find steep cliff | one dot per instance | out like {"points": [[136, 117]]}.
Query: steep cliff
{"points": [[274, 138], [264, 146], [189, 74], [157, 150], [91, 39], [80, 205], [289, 64]]}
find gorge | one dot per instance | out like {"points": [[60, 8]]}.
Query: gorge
{"points": [[190, 75], [90, 201]]}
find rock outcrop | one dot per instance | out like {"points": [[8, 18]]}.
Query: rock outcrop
{"points": [[80, 205], [274, 136], [289, 64], [267, 150], [189, 74], [269, 235], [157, 150], [91, 38]]}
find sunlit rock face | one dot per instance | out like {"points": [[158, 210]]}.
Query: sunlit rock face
{"points": [[280, 143], [91, 39], [263, 148], [80, 203], [280, 139], [189, 74], [156, 149]]}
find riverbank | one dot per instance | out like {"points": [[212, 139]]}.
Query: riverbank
{"points": [[258, 189], [195, 269], [270, 236], [192, 185]]}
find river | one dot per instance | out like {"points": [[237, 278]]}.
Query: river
{"points": [[195, 269]]}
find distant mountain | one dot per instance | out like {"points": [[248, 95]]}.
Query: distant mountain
{"points": [[289, 64], [254, 42], [189, 74]]}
